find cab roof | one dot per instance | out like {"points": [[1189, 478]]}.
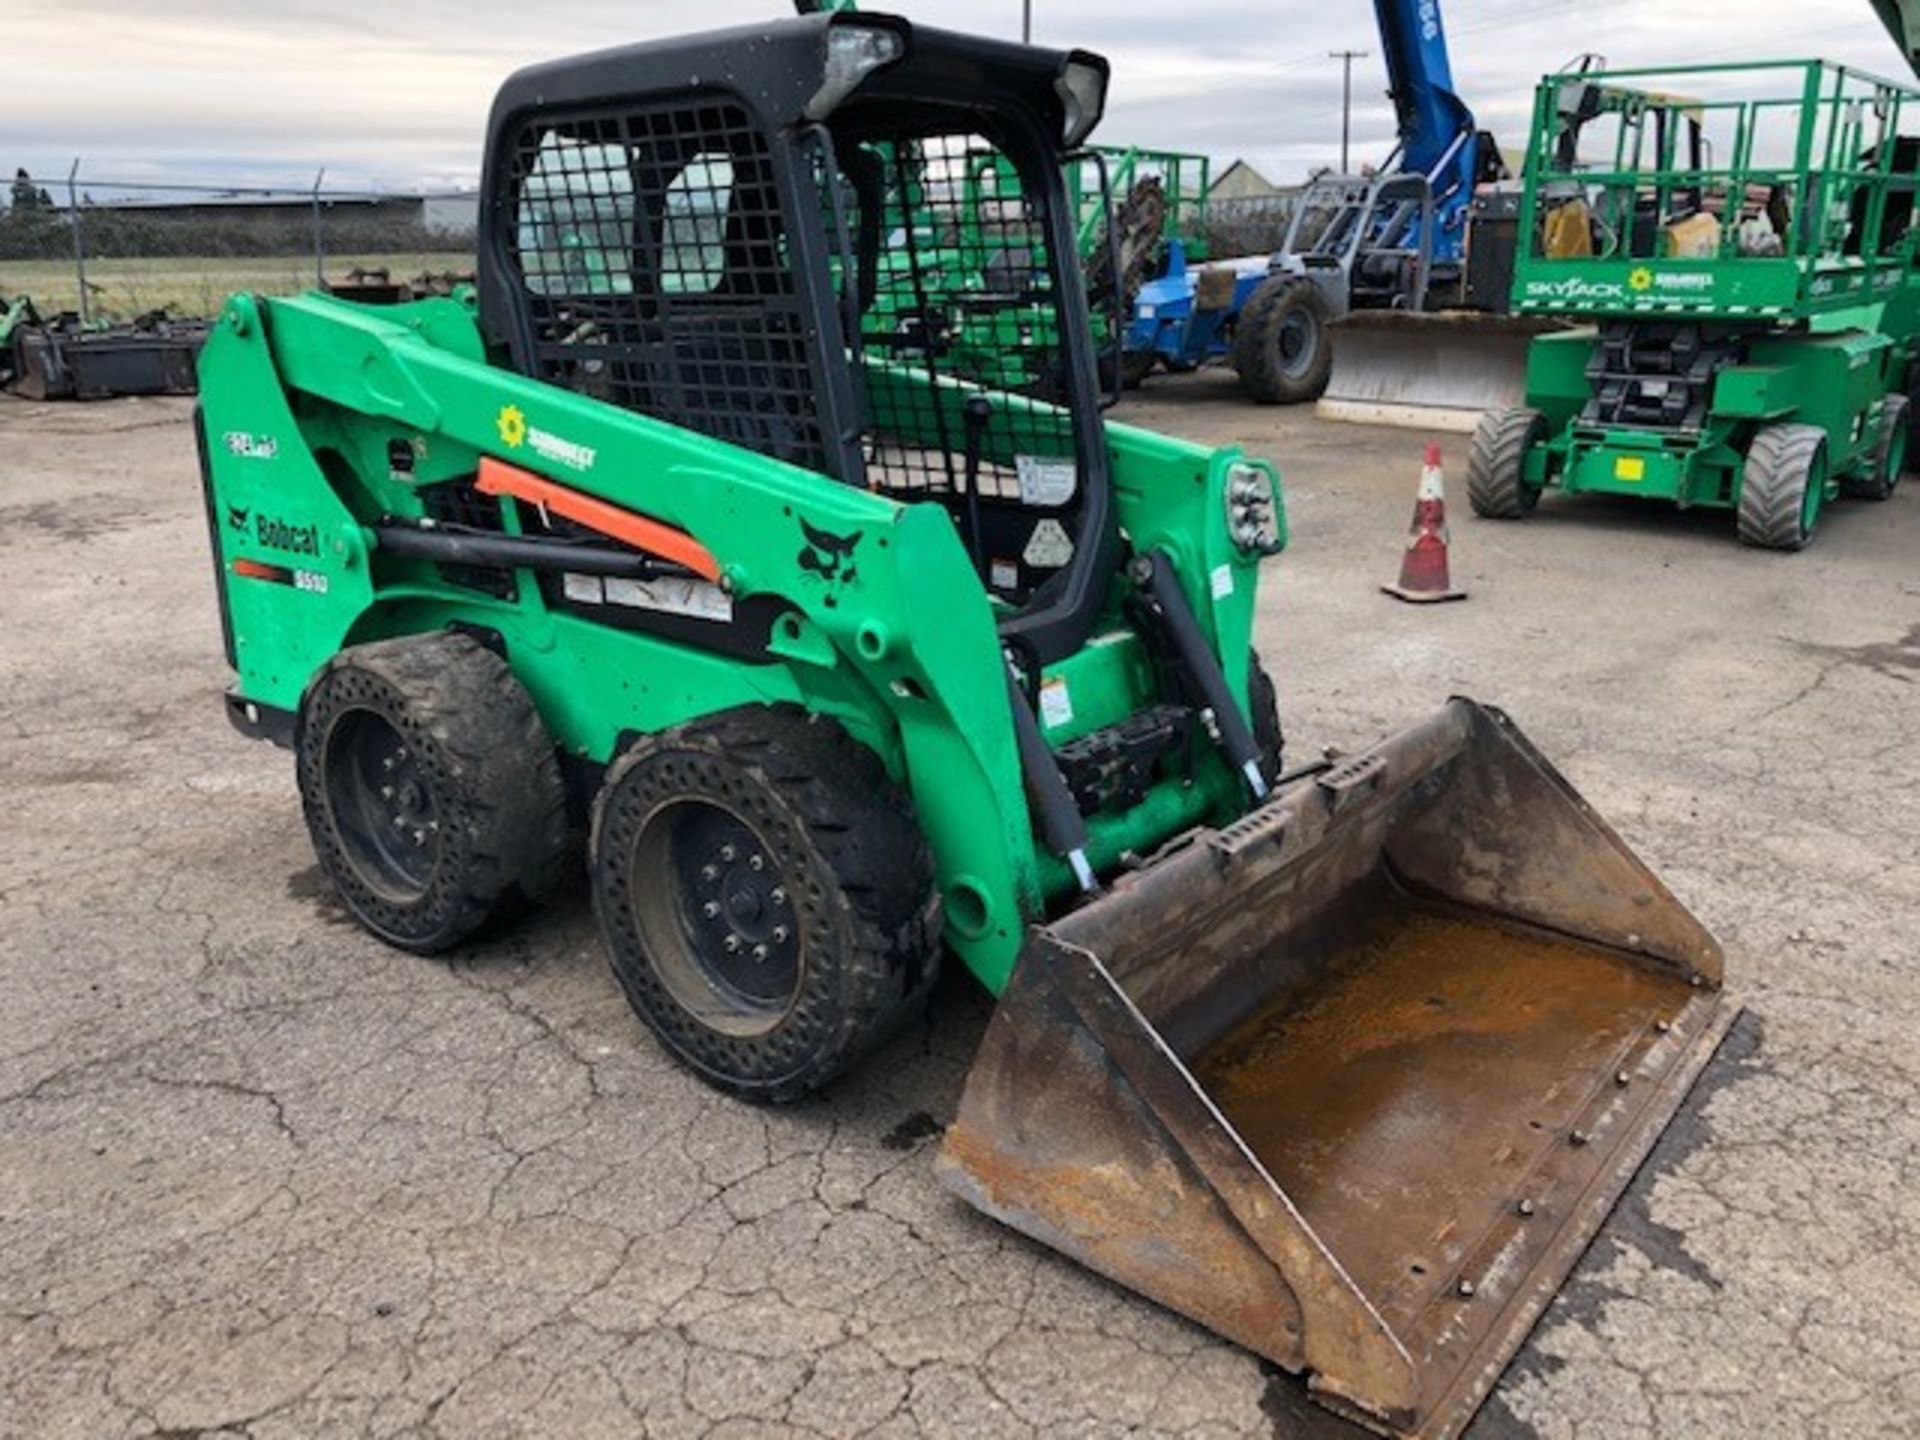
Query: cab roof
{"points": [[778, 67]]}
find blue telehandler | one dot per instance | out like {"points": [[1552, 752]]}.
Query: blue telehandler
{"points": [[1389, 239]]}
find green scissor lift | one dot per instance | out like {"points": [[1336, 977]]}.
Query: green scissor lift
{"points": [[1741, 239]]}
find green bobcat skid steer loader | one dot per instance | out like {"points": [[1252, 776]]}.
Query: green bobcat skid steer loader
{"points": [[847, 664]]}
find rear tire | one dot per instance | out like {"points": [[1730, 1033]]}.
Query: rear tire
{"points": [[1282, 346], [1892, 427], [1783, 487], [431, 788], [1497, 463], [766, 898]]}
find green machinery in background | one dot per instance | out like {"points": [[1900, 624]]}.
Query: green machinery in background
{"points": [[1741, 239], [1130, 206], [995, 324]]}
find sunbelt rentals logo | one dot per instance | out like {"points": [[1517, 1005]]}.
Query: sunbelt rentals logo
{"points": [[1641, 280], [515, 433]]}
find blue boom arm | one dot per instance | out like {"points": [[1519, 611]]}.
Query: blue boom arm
{"points": [[1437, 131]]}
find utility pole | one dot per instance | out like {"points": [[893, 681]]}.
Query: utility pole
{"points": [[1026, 22], [1346, 59]]}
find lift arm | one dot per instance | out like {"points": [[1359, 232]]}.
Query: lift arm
{"points": [[1439, 137]]}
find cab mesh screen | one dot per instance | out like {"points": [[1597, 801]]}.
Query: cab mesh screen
{"points": [[653, 256], [959, 290]]}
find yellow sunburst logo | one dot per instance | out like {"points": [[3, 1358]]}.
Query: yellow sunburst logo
{"points": [[513, 427], [1641, 279]]}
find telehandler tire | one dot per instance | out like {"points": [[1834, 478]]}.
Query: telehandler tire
{"points": [[1497, 486], [1282, 344], [1783, 487], [1892, 425], [766, 898], [431, 788]]}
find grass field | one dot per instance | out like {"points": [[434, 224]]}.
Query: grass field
{"points": [[191, 285]]}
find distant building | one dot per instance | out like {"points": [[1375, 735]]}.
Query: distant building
{"points": [[453, 214], [456, 214], [1240, 181]]}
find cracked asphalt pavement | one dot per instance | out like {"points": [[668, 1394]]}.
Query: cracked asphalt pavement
{"points": [[261, 1176]]}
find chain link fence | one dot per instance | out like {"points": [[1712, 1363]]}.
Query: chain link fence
{"points": [[1249, 225], [109, 248], [114, 249]]}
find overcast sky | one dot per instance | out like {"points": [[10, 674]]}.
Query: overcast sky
{"points": [[395, 92]]}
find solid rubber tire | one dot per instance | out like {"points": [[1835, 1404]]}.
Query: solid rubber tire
{"points": [[487, 760], [850, 853]]}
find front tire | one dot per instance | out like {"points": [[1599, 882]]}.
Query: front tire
{"points": [[1497, 485], [431, 788], [766, 898], [1783, 487], [1282, 344], [1264, 704]]}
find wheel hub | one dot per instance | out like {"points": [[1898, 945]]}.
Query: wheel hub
{"points": [[736, 918], [383, 806]]}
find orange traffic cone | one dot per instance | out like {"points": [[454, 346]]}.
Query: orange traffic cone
{"points": [[1423, 569]]}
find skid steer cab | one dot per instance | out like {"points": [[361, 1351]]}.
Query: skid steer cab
{"points": [[757, 516]]}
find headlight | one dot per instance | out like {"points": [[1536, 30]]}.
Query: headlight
{"points": [[1253, 519], [1082, 88], [853, 53]]}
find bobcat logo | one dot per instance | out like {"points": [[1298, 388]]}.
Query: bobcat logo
{"points": [[828, 555], [237, 518]]}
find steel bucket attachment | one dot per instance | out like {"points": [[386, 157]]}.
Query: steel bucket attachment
{"points": [[1429, 370], [1354, 1082]]}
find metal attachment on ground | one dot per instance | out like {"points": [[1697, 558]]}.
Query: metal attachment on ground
{"points": [[1424, 575]]}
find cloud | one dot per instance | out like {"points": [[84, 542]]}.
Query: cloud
{"points": [[238, 90]]}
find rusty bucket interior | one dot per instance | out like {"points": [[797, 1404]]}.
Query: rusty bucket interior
{"points": [[1354, 1082]]}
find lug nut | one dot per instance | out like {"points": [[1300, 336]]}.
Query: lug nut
{"points": [[709, 873], [778, 895], [710, 909], [386, 792], [732, 943], [780, 933], [727, 852], [760, 953], [756, 861]]}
